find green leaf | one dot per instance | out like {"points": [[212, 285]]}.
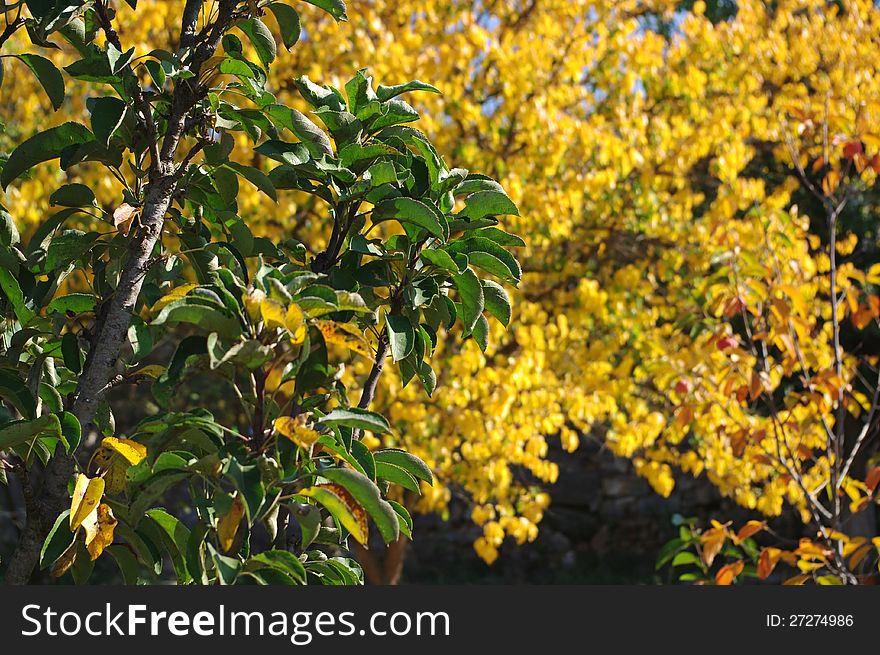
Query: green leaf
{"points": [[293, 154], [227, 567], [335, 8], [415, 212], [73, 195], [501, 237], [248, 481], [255, 177], [207, 318], [17, 433], [480, 333], [440, 259], [107, 115], [309, 519], [175, 536], [488, 203], [320, 95], [350, 516], [470, 293], [488, 255], [304, 129], [496, 301], [127, 562], [261, 38], [282, 560], [9, 235], [58, 540], [48, 75], [77, 303], [13, 293], [384, 93], [16, 392], [407, 461], [403, 517], [43, 147], [401, 336], [70, 352], [288, 23], [396, 475], [366, 493], [685, 558], [354, 417], [156, 72]]}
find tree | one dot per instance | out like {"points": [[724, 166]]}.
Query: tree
{"points": [[172, 261]]}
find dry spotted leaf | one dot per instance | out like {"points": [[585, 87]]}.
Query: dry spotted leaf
{"points": [[114, 458], [86, 495], [123, 217], [99, 527], [65, 560], [344, 508], [227, 526], [298, 430]]}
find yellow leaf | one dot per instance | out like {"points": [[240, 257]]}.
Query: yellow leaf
{"points": [[132, 451], [295, 322], [345, 335], [175, 294], [152, 371], [86, 495], [273, 313], [252, 301], [227, 526], [797, 580], [297, 430], [830, 182], [114, 458], [99, 527]]}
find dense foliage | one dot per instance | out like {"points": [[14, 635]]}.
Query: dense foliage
{"points": [[278, 486]]}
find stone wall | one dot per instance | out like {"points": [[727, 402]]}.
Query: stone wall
{"points": [[605, 524]]}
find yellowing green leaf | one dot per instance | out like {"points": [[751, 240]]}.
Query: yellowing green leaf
{"points": [[227, 526]]}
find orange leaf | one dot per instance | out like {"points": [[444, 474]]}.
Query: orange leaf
{"points": [[749, 529], [727, 574], [767, 562], [712, 541], [873, 479]]}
